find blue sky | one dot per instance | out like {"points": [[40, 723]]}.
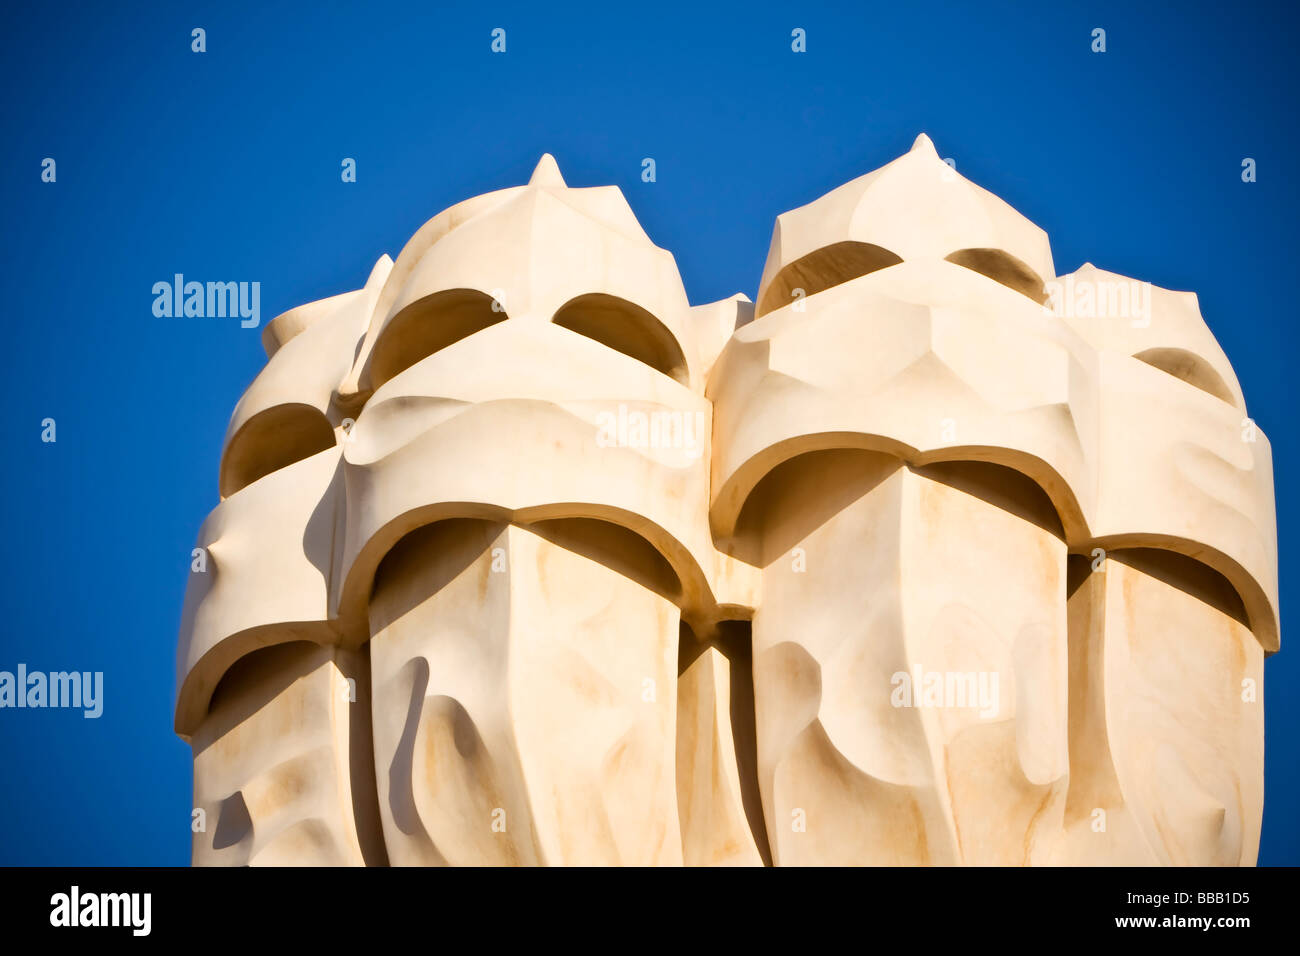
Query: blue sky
{"points": [[225, 165]]}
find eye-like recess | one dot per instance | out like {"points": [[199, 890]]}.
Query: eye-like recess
{"points": [[1191, 368], [820, 270], [617, 548], [260, 675], [429, 325], [271, 440], [801, 494], [1004, 268], [627, 328], [1001, 486], [1187, 575], [436, 554]]}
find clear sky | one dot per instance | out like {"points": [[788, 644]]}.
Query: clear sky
{"points": [[225, 165]]}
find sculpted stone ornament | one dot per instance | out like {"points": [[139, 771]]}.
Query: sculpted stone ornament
{"points": [[930, 556]]}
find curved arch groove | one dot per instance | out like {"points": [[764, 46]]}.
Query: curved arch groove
{"points": [[824, 268], [625, 327], [271, 440], [1189, 367], [1003, 268], [429, 325]]}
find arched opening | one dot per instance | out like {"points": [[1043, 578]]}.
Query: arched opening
{"points": [[1003, 487], [820, 270], [1003, 268], [1189, 367], [439, 551], [1187, 575], [429, 325], [271, 440], [617, 548], [262, 674], [800, 495], [627, 328]]}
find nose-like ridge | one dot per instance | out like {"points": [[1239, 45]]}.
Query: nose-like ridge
{"points": [[560, 672]]}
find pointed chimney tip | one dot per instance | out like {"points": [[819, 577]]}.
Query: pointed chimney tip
{"points": [[547, 173]]}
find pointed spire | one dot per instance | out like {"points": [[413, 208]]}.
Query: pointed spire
{"points": [[379, 272], [925, 145], [547, 173]]}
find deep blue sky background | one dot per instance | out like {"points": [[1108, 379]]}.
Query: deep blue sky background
{"points": [[225, 165]]}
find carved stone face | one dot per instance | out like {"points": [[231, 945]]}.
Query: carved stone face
{"points": [[521, 559]]}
